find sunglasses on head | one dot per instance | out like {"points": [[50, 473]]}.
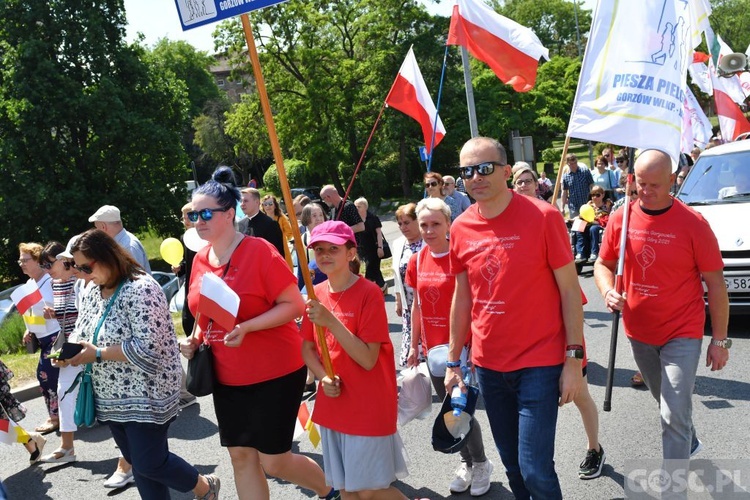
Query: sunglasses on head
{"points": [[484, 168], [84, 268], [206, 214], [430, 184]]}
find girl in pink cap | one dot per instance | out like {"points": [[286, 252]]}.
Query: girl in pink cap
{"points": [[357, 409]]}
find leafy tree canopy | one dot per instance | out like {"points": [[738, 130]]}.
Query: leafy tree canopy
{"points": [[84, 121]]}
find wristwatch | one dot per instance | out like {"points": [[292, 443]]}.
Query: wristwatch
{"points": [[574, 351], [725, 343], [98, 354]]}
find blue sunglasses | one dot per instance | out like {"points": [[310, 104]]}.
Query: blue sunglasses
{"points": [[206, 214]]}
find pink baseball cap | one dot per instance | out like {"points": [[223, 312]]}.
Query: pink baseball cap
{"points": [[332, 231]]}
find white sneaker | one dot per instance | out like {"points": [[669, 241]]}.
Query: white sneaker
{"points": [[462, 481], [119, 479], [480, 483]]}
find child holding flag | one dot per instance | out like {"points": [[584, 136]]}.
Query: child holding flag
{"points": [[11, 411], [362, 451]]}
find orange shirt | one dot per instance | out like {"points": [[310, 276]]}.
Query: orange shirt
{"points": [[664, 256], [368, 402], [258, 274], [509, 261]]}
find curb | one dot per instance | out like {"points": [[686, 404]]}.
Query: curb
{"points": [[31, 391], [27, 392]]}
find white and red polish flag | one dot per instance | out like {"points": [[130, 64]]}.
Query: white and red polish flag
{"points": [[218, 301], [410, 96], [11, 432], [512, 51], [26, 296]]}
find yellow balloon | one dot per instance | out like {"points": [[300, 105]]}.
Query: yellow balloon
{"points": [[171, 251], [587, 213]]}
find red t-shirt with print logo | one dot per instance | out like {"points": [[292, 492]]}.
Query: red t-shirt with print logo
{"points": [[258, 274], [509, 261], [434, 283], [664, 256], [367, 405]]}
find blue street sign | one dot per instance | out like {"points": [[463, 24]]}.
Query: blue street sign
{"points": [[194, 13], [423, 153]]}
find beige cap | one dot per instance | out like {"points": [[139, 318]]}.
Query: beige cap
{"points": [[107, 213], [68, 254]]}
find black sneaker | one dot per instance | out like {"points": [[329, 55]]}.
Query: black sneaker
{"points": [[591, 466]]}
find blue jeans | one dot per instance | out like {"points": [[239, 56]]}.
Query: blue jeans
{"points": [[595, 232], [155, 469], [582, 243], [522, 410]]}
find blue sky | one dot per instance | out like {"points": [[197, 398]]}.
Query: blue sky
{"points": [[159, 19]]}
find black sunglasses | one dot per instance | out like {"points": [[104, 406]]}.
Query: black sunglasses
{"points": [[484, 168], [84, 268], [206, 214], [430, 184], [47, 265]]}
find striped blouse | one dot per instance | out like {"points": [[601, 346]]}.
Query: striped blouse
{"points": [[66, 311]]}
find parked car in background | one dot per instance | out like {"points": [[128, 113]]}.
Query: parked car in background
{"points": [[169, 283], [6, 305], [718, 186], [312, 192]]}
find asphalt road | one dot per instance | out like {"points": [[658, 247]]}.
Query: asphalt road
{"points": [[629, 432]]}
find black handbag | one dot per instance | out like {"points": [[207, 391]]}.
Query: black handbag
{"points": [[200, 372], [387, 254]]}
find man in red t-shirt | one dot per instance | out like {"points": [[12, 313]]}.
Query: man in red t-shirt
{"points": [[669, 248], [505, 249]]}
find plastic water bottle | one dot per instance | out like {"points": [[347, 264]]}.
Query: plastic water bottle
{"points": [[458, 400]]}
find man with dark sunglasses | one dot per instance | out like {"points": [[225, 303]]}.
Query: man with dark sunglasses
{"points": [[504, 249], [256, 223], [108, 219]]}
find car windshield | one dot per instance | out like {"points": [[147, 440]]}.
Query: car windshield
{"points": [[718, 179]]}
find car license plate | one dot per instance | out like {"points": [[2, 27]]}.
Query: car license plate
{"points": [[737, 283]]}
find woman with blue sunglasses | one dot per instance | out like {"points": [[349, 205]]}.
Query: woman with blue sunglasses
{"points": [[259, 375]]}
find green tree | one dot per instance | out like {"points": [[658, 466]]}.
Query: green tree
{"points": [[328, 66], [729, 18], [83, 122]]}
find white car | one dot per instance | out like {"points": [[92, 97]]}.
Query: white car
{"points": [[718, 186]]}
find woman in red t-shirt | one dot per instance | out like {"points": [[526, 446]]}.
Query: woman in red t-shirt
{"points": [[357, 408], [259, 374], [430, 275]]}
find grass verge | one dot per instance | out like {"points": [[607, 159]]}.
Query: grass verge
{"points": [[23, 365]]}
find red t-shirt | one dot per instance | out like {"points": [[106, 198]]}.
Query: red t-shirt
{"points": [[434, 283], [368, 402], [258, 274], [664, 256], [509, 261]]}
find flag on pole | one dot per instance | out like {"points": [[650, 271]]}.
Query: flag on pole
{"points": [[632, 84], [26, 296], [410, 96], [11, 432], [218, 302], [305, 424], [732, 121], [696, 125], [512, 51], [699, 73]]}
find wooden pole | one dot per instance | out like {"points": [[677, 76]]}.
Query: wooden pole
{"points": [[558, 178], [287, 193]]}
